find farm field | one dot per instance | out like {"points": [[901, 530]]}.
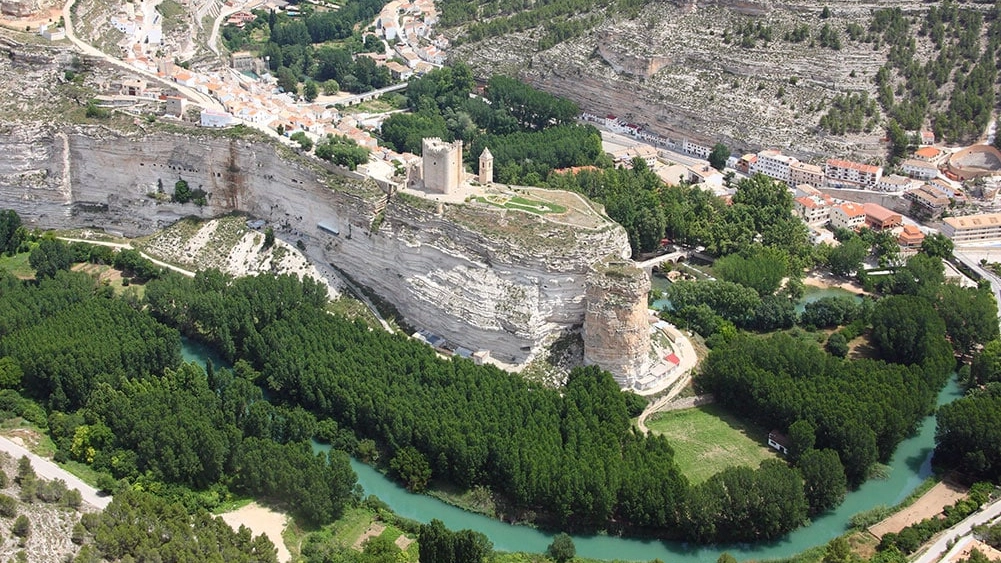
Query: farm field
{"points": [[707, 440]]}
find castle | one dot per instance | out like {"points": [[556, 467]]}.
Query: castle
{"points": [[441, 169]]}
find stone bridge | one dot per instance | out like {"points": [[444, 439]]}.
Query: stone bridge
{"points": [[355, 100], [673, 257]]}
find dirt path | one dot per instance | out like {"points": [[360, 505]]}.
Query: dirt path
{"points": [[659, 404], [261, 520], [931, 503], [49, 470], [160, 263]]}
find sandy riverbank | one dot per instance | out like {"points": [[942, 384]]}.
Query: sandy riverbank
{"points": [[261, 520], [827, 281]]}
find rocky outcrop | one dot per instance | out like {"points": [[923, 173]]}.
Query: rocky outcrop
{"points": [[622, 60], [482, 277], [616, 329]]}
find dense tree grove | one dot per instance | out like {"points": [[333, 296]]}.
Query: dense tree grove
{"points": [[529, 132], [300, 48], [573, 457], [861, 409], [958, 77], [760, 214], [140, 526], [120, 400], [67, 335], [438, 543], [969, 431]]}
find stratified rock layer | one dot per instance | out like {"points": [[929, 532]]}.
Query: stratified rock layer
{"points": [[483, 278], [616, 329]]}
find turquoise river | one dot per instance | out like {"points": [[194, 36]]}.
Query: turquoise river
{"points": [[909, 466]]}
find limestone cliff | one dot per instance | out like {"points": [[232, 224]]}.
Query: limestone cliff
{"points": [[616, 330], [482, 277]]}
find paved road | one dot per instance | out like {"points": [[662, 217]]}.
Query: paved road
{"points": [[937, 549], [194, 96], [50, 471]]}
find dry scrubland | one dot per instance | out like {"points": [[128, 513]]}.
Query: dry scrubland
{"points": [[771, 94]]}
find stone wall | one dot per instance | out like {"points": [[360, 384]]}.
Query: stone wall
{"points": [[616, 325], [484, 278]]}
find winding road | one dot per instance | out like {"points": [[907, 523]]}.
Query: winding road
{"points": [[198, 98], [46, 469], [938, 549]]}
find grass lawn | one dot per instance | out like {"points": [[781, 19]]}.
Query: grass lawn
{"points": [[17, 265], [524, 204], [707, 440]]}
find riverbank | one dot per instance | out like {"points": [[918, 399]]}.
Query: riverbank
{"points": [[930, 504], [261, 520], [825, 280]]}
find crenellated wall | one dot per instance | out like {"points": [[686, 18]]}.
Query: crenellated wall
{"points": [[482, 277]]}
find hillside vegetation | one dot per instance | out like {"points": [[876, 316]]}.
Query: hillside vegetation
{"points": [[802, 77]]}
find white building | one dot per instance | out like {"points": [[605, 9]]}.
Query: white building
{"points": [[920, 169], [773, 164], [212, 118], [815, 210], [973, 228], [894, 183], [845, 173], [696, 149], [848, 216]]}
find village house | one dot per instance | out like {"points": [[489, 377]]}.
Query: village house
{"points": [[133, 87], [879, 218], [910, 237], [973, 228], [920, 169], [212, 118], [848, 174], [894, 183], [848, 215], [805, 173], [929, 154], [928, 199], [814, 210], [174, 106], [697, 149], [705, 175], [773, 164], [745, 163], [807, 190]]}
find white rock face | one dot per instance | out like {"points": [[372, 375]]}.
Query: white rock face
{"points": [[482, 278]]}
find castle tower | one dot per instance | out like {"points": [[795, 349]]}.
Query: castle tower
{"points": [[442, 165], [616, 328], [486, 167]]}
